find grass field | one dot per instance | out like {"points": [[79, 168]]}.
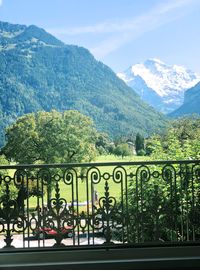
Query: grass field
{"points": [[109, 158]]}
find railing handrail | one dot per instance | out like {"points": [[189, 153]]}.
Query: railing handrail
{"points": [[98, 164]]}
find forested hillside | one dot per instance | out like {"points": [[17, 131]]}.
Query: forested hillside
{"points": [[191, 102], [39, 72]]}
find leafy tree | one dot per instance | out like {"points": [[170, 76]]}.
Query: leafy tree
{"points": [[103, 143], [180, 141], [122, 150], [187, 128], [50, 137]]}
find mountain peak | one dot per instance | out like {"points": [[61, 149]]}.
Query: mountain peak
{"points": [[9, 31], [18, 34], [168, 81]]}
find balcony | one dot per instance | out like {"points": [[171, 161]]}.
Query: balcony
{"points": [[127, 214]]}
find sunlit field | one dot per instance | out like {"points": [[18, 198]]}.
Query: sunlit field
{"points": [[110, 158]]}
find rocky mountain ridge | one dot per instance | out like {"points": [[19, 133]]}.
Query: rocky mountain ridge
{"points": [[191, 103]]}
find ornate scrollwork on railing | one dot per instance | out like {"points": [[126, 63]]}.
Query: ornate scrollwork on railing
{"points": [[194, 210], [107, 217], [172, 208], [94, 175], [169, 173], [70, 176], [58, 217], [184, 173], [44, 176], [119, 174], [115, 203], [196, 173], [143, 174], [11, 215], [82, 222]]}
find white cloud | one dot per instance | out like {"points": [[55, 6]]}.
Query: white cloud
{"points": [[115, 26], [1, 2], [132, 29], [122, 31]]}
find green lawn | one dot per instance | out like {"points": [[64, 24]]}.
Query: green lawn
{"points": [[109, 158]]}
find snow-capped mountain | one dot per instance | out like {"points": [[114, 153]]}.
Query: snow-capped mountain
{"points": [[159, 84]]}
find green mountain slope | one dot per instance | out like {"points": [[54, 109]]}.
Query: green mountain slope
{"points": [[191, 103], [39, 72]]}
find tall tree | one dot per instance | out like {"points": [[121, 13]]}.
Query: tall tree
{"points": [[103, 143], [180, 141], [139, 143], [50, 137]]}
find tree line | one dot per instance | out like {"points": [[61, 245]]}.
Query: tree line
{"points": [[67, 137]]}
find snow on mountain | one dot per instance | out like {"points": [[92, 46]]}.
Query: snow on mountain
{"points": [[167, 82]]}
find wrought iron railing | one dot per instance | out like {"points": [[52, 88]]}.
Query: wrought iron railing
{"points": [[121, 203]]}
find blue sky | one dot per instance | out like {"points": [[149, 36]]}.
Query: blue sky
{"points": [[118, 32]]}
